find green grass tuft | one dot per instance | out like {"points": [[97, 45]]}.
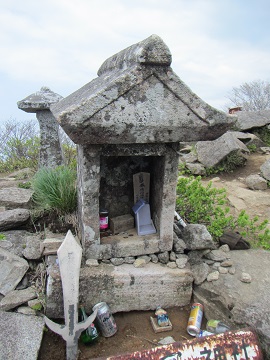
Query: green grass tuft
{"points": [[55, 189]]}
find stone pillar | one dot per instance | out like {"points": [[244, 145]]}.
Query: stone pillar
{"points": [[88, 195], [51, 154]]}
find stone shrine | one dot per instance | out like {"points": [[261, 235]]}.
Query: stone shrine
{"points": [[131, 119]]}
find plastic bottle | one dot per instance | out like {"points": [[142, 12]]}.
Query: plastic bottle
{"points": [[216, 327], [89, 335]]}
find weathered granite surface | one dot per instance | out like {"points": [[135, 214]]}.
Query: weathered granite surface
{"points": [[251, 119], [210, 153], [13, 268], [124, 287], [14, 197], [20, 336], [239, 303], [12, 219]]}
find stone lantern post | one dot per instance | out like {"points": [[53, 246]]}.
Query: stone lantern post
{"points": [[51, 154]]}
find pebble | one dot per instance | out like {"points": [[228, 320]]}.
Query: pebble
{"points": [[138, 263], [167, 340], [223, 270], [172, 265], [91, 262], [26, 310], [146, 258], [129, 260], [181, 262], [154, 258], [225, 248], [232, 270], [216, 265], [245, 278], [117, 261], [227, 263], [213, 276]]}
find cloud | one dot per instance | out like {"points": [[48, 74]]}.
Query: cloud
{"points": [[62, 43]]}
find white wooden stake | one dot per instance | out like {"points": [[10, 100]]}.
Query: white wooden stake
{"points": [[69, 256]]}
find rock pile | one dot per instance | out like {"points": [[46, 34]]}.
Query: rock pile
{"points": [[199, 157]]}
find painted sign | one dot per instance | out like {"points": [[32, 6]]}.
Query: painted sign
{"points": [[232, 345], [141, 184]]}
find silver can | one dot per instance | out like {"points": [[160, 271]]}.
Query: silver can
{"points": [[105, 320]]}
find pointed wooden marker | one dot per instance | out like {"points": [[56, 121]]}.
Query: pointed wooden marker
{"points": [[69, 256]]}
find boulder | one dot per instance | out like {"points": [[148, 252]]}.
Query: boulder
{"points": [[247, 120], [196, 169], [17, 239], [265, 169], [17, 297], [256, 182], [200, 272], [197, 237], [13, 198], [13, 269], [211, 153], [238, 303], [12, 219], [33, 250], [248, 139]]}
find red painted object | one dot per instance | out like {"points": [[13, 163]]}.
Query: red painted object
{"points": [[232, 345]]}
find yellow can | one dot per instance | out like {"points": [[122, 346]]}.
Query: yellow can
{"points": [[195, 319]]}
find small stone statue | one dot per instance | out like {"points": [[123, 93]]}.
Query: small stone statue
{"points": [[162, 316]]}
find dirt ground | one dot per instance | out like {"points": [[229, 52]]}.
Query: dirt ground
{"points": [[253, 202], [134, 332]]}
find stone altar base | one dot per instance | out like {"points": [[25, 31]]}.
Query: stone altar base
{"points": [[124, 287]]}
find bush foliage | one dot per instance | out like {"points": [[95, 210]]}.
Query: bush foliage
{"points": [[19, 146], [55, 189], [206, 205]]}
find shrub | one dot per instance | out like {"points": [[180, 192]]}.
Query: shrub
{"points": [[209, 206], [200, 204], [19, 146], [263, 133], [55, 189]]}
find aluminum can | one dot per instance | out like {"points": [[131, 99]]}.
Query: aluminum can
{"points": [[203, 333], [105, 320], [195, 319], [103, 220]]}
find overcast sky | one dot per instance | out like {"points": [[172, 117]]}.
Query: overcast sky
{"points": [[215, 44]]}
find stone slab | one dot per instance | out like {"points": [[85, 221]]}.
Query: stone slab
{"points": [[13, 219], [13, 198], [17, 297], [121, 223], [13, 268], [124, 288], [20, 336], [50, 246]]}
